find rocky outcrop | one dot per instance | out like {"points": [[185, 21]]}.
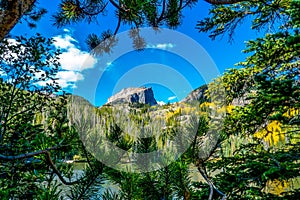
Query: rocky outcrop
{"points": [[142, 95], [199, 95], [196, 95]]}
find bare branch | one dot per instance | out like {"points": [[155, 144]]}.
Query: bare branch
{"points": [[95, 13], [180, 4], [222, 2], [119, 24], [27, 155], [117, 6], [56, 171], [162, 11], [180, 7], [212, 187], [48, 158]]}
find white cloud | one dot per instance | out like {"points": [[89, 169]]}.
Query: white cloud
{"points": [[72, 57], [64, 41], [165, 46], [61, 82], [66, 30], [65, 79], [162, 46], [12, 41], [73, 60], [77, 60], [69, 76], [109, 66], [65, 83], [161, 103], [172, 98]]}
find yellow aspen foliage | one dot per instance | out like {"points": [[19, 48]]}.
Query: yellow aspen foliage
{"points": [[272, 134], [172, 114], [277, 187], [229, 108], [76, 157], [187, 109], [292, 112], [184, 110], [206, 105]]}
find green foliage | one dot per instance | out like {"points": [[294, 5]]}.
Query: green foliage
{"points": [[226, 18], [90, 183], [254, 155], [265, 93], [23, 98], [167, 183], [35, 135]]}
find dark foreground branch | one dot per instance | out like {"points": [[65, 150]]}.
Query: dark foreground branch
{"points": [[47, 154], [28, 155]]}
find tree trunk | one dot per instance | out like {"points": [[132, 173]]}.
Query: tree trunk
{"points": [[10, 13]]}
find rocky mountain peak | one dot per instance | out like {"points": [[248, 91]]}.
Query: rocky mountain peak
{"points": [[143, 95]]}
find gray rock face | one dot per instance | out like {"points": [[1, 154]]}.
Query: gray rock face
{"points": [[199, 95], [196, 95], [133, 95]]}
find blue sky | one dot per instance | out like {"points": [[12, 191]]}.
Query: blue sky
{"points": [[170, 74]]}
